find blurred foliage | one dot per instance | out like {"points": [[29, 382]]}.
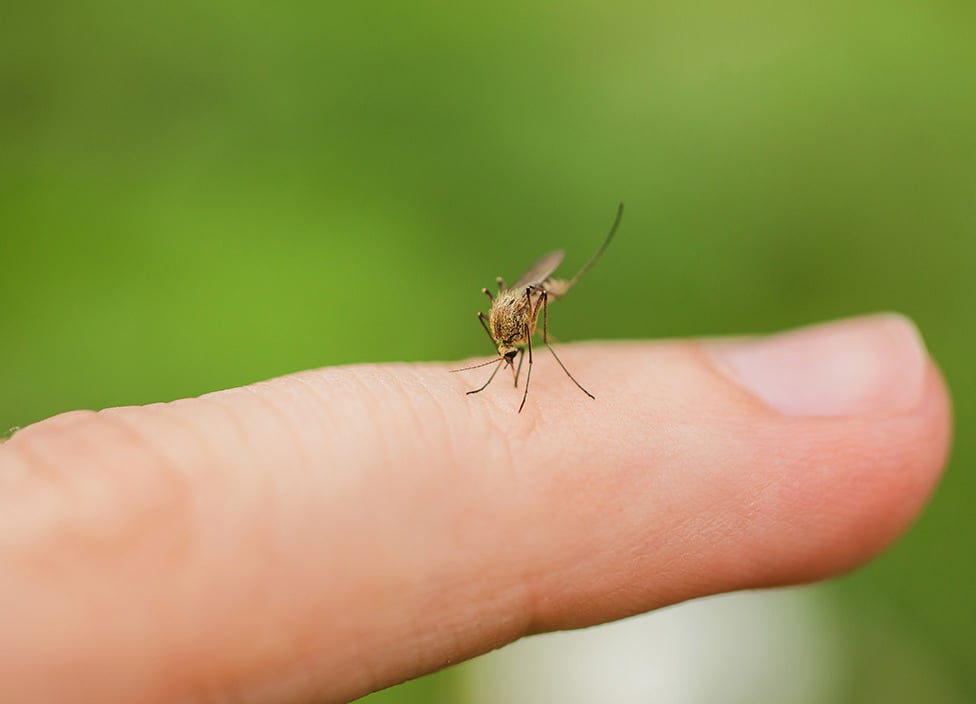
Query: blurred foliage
{"points": [[197, 195]]}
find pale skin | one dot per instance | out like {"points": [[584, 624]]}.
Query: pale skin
{"points": [[322, 535]]}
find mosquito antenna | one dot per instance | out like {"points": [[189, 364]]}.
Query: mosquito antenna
{"points": [[606, 242], [475, 366]]}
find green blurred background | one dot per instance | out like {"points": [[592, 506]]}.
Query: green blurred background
{"points": [[195, 195]]}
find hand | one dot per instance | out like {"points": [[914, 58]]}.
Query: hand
{"points": [[322, 535]]}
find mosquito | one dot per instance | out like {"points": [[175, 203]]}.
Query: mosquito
{"points": [[514, 313]]}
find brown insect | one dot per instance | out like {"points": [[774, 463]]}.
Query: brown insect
{"points": [[514, 313]]}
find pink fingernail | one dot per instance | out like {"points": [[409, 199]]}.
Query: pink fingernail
{"points": [[874, 364]]}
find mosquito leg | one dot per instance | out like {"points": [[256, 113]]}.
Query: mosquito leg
{"points": [[518, 371], [579, 386], [545, 317], [485, 385], [545, 339], [484, 323], [543, 294], [528, 373], [501, 283], [488, 293]]}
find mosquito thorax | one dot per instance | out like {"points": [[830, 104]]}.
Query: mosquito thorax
{"points": [[508, 317]]}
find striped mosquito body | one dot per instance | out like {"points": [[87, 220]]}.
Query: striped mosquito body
{"points": [[514, 315]]}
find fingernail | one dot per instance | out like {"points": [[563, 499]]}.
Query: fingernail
{"points": [[874, 364]]}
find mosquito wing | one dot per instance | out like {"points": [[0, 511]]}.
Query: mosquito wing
{"points": [[541, 270]]}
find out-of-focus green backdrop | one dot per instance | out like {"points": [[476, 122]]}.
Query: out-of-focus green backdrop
{"points": [[195, 195]]}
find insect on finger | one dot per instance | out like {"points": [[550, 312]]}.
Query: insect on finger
{"points": [[514, 315]]}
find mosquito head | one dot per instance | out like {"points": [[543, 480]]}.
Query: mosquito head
{"points": [[508, 353]]}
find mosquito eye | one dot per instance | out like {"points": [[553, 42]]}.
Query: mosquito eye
{"points": [[510, 355]]}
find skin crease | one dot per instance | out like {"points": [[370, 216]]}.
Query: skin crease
{"points": [[322, 535]]}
